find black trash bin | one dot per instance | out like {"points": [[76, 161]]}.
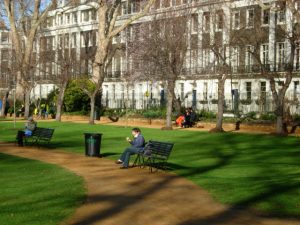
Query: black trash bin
{"points": [[92, 144]]}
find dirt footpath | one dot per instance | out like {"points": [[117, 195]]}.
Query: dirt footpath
{"points": [[137, 197]]}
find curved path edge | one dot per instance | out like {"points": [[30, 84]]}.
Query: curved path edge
{"points": [[137, 197]]}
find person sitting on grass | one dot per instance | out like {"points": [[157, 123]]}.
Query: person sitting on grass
{"points": [[137, 146]]}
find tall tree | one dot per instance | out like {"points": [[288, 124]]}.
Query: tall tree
{"points": [[220, 55], [279, 71], [159, 52], [108, 12], [24, 19]]}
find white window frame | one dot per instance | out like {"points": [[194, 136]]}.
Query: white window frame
{"points": [[248, 18], [235, 58], [265, 54], [206, 22], [249, 57], [263, 17], [281, 16], [281, 53], [236, 20], [219, 15]]}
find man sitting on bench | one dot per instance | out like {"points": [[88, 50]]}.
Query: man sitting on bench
{"points": [[137, 145], [30, 126]]}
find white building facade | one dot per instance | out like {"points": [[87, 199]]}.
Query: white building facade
{"points": [[75, 28]]}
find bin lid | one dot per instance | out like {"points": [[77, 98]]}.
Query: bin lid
{"points": [[92, 133]]}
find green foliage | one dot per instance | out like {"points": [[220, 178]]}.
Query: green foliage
{"points": [[86, 84], [52, 97], [251, 115], [37, 193], [204, 114], [75, 99], [268, 116], [154, 113], [246, 101], [296, 117], [113, 112]]}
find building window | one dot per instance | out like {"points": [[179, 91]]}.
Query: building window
{"points": [[135, 6], [248, 90], [124, 8], [182, 91], [85, 16], [195, 23], [94, 14], [50, 22], [249, 58], [296, 90], [250, 18], [265, 54], [281, 55], [4, 37], [75, 18], [298, 5], [280, 16], [68, 18], [219, 20], [206, 22], [166, 3], [206, 58], [263, 91], [266, 17], [236, 20], [60, 41], [60, 20], [235, 59], [67, 40], [205, 91], [297, 56]]}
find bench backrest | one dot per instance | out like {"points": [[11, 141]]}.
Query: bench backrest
{"points": [[43, 132], [162, 149]]}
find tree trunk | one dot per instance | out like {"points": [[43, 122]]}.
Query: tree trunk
{"points": [[219, 124], [27, 103], [177, 105], [4, 100], [281, 128], [92, 103], [170, 98], [60, 101]]}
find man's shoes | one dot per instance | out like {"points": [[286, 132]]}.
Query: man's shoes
{"points": [[123, 167], [118, 162]]}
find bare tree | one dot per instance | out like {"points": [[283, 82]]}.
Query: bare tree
{"points": [[25, 18], [158, 52], [108, 12], [218, 42], [280, 71]]}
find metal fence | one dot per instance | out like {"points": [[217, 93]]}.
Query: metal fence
{"points": [[244, 102]]}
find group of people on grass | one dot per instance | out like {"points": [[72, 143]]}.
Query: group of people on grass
{"points": [[187, 119]]}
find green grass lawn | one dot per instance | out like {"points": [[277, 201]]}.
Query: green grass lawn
{"points": [[36, 193], [251, 171]]}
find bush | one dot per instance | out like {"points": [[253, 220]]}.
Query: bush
{"points": [[204, 114], [75, 99], [113, 112], [251, 115], [154, 114], [268, 116]]}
